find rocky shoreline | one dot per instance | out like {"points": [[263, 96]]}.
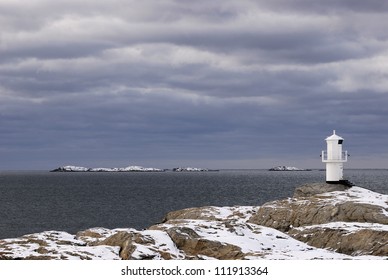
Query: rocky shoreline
{"points": [[320, 221]]}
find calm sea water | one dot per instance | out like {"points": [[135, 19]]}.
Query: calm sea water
{"points": [[37, 201]]}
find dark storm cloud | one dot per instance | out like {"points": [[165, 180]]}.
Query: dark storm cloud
{"points": [[221, 83]]}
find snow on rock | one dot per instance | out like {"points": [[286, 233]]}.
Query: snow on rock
{"points": [[216, 239], [134, 168], [351, 205], [71, 168], [146, 244], [189, 169], [325, 220], [54, 245], [243, 213], [286, 168], [347, 224], [358, 195], [348, 227], [345, 237]]}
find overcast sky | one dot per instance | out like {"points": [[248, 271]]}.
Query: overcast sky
{"points": [[217, 84]]}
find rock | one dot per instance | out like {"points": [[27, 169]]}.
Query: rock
{"points": [[141, 245], [207, 212], [53, 245], [309, 213], [70, 168], [194, 246], [93, 235], [353, 205], [125, 240], [319, 222], [233, 239], [212, 213], [348, 238], [307, 190]]}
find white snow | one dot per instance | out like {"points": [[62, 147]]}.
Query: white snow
{"points": [[358, 195], [75, 168], [349, 226], [163, 242], [260, 242], [243, 213], [57, 245]]}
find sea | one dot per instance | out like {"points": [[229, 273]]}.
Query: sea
{"points": [[36, 201]]}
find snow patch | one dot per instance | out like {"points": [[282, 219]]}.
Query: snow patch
{"points": [[348, 226], [358, 195]]}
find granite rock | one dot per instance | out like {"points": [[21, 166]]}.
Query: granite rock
{"points": [[319, 222]]}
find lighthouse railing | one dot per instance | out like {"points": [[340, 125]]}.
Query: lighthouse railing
{"points": [[341, 158]]}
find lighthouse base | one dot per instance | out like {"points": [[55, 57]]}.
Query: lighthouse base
{"points": [[334, 182], [341, 182]]}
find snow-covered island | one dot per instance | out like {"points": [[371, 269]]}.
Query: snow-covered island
{"points": [[287, 168], [321, 221], [191, 169], [70, 168]]}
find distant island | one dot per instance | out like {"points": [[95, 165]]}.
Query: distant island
{"points": [[132, 168], [192, 169], [70, 168], [287, 168]]}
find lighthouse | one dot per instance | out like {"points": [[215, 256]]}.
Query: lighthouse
{"points": [[334, 158]]}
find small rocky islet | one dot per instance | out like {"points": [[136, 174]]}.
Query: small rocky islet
{"points": [[287, 168], [320, 221]]}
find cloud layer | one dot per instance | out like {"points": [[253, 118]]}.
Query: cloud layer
{"points": [[216, 83]]}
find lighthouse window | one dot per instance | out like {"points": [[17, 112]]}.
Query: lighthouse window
{"points": [[340, 142]]}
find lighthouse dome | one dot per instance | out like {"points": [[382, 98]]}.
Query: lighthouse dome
{"points": [[334, 137]]}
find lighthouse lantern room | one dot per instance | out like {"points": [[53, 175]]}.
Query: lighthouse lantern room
{"points": [[334, 158]]}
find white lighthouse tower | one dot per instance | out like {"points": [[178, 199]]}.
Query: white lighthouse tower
{"points": [[334, 158]]}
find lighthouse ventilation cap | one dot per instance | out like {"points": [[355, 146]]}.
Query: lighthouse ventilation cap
{"points": [[334, 137]]}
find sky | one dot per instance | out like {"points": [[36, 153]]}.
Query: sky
{"points": [[214, 84]]}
